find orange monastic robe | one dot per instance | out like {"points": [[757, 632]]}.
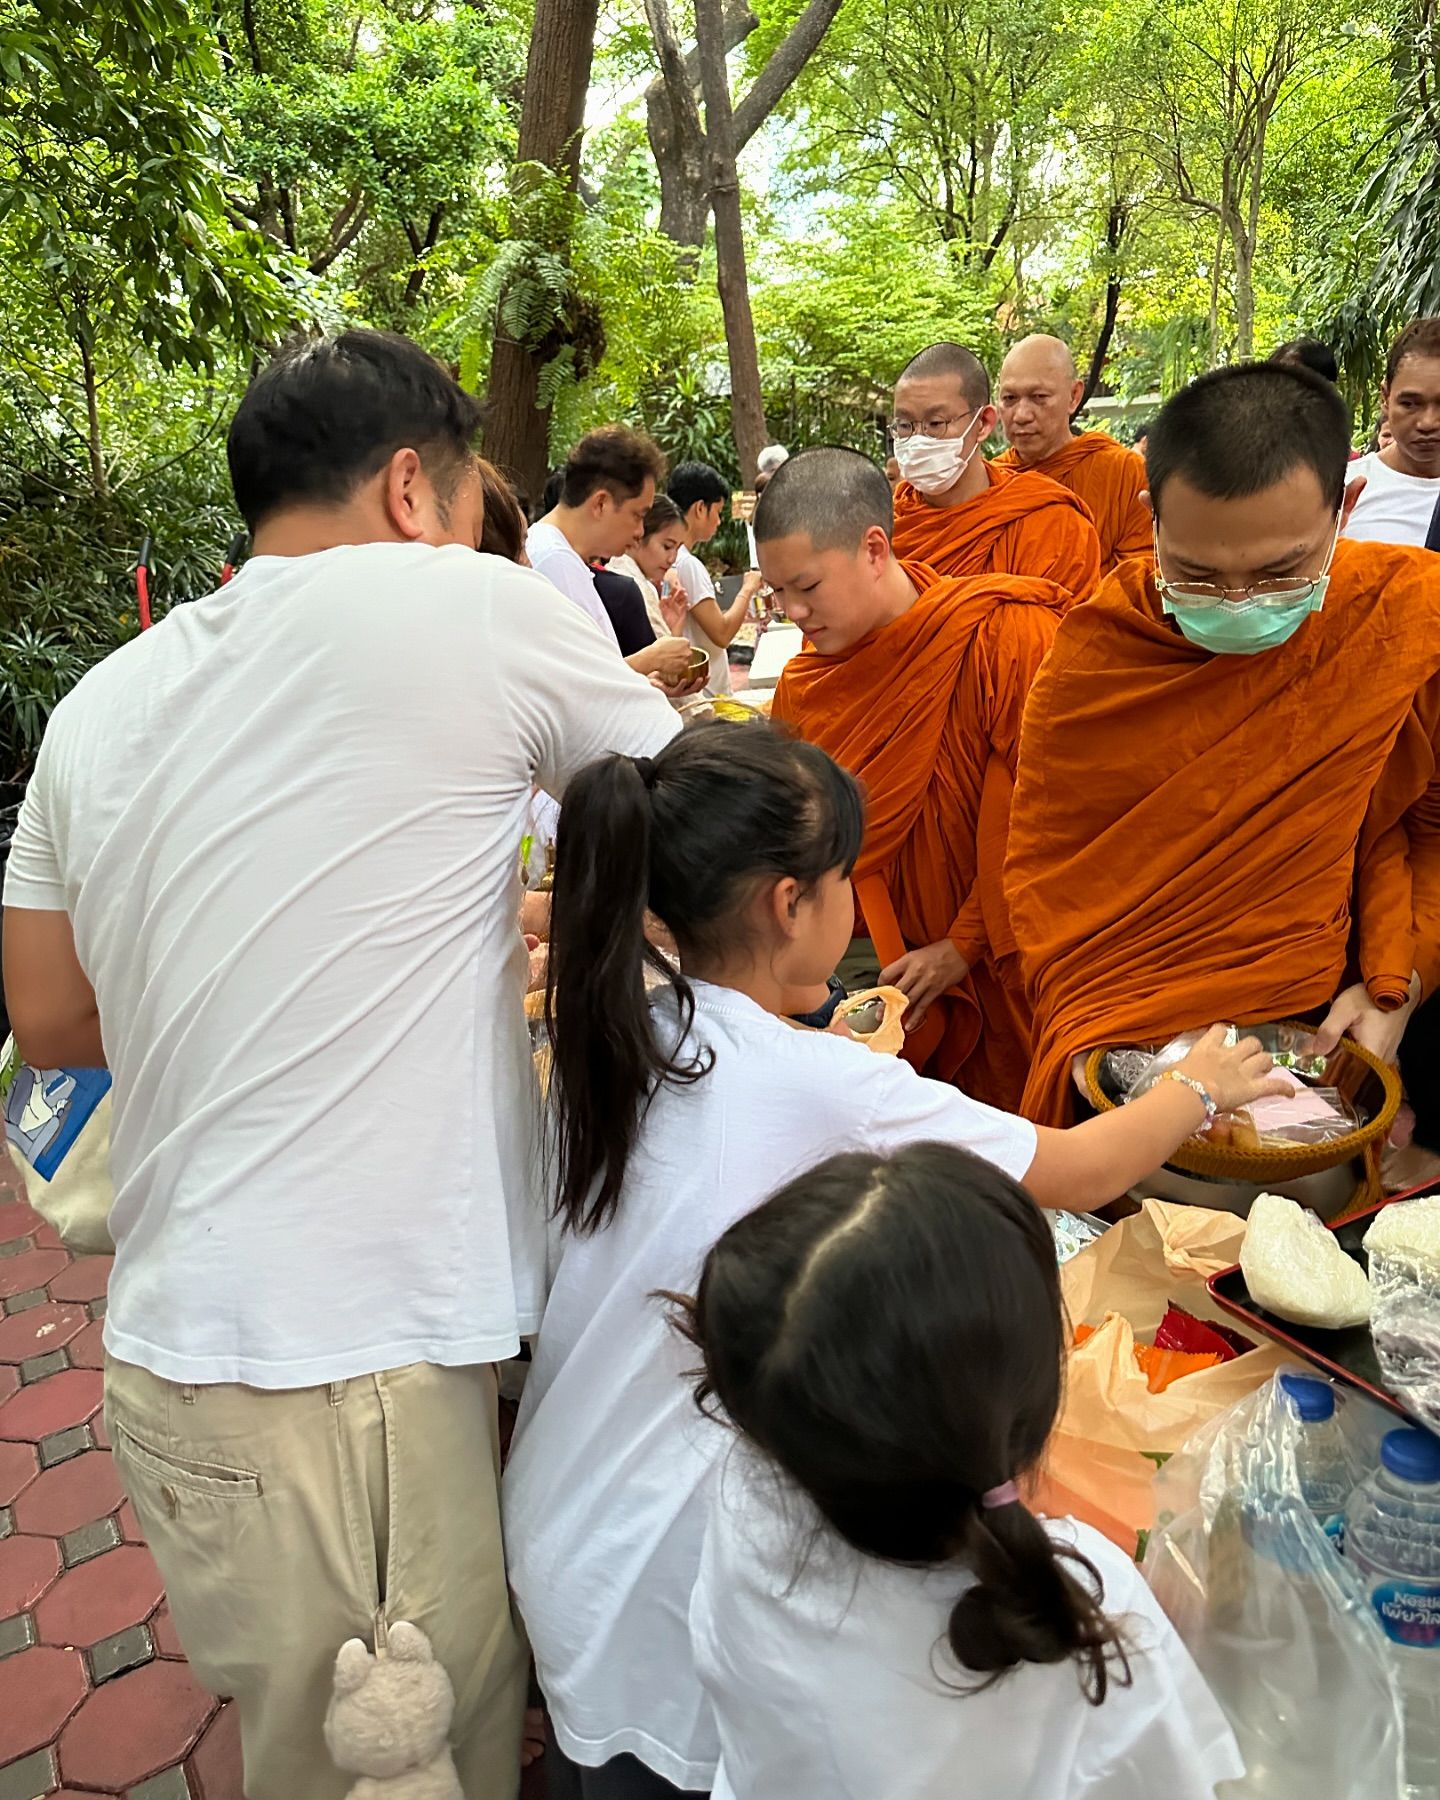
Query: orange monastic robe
{"points": [[1023, 524], [1194, 836], [1110, 479], [926, 713]]}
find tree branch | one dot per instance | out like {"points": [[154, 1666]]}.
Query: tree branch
{"points": [[774, 80], [345, 227]]}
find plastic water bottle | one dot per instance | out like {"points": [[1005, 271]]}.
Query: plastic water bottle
{"points": [[1327, 1475], [1392, 1535]]}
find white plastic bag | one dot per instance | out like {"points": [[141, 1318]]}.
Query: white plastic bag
{"points": [[1277, 1621]]}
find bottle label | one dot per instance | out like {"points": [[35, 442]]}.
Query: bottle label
{"points": [[1409, 1611]]}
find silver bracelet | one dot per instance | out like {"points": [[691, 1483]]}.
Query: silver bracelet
{"points": [[1195, 1087]]}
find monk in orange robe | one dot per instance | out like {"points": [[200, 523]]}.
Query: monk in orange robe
{"points": [[961, 515], [916, 683], [1227, 801], [1039, 394]]}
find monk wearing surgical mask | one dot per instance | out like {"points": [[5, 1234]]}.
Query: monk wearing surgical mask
{"points": [[1227, 804], [962, 515]]}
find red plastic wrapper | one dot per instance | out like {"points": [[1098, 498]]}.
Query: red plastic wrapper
{"points": [[1180, 1330]]}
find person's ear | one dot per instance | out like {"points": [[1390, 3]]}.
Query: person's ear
{"points": [[783, 906], [990, 417], [875, 548], [407, 495], [1353, 490], [1077, 394]]}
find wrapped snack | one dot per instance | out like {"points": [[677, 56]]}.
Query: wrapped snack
{"points": [[1180, 1330], [1403, 1245], [876, 1018], [1073, 1231], [1295, 1269]]}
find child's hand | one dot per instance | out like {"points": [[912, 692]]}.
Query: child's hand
{"points": [[1232, 1077]]}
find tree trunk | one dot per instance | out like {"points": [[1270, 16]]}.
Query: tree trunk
{"points": [[680, 163], [1115, 224], [552, 121], [746, 405], [98, 478]]}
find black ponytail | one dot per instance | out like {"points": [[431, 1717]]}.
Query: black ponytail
{"points": [[686, 837], [889, 1331]]}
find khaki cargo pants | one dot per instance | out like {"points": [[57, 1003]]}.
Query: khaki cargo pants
{"points": [[283, 1520]]}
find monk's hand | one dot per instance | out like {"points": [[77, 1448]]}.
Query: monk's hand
{"points": [[1232, 1074], [1354, 1014], [539, 963], [923, 976]]}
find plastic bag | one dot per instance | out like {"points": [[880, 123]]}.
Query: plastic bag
{"points": [[1275, 1618], [1405, 1302], [1309, 1114], [1074, 1232]]}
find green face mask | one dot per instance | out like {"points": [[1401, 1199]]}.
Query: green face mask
{"points": [[1261, 619]]}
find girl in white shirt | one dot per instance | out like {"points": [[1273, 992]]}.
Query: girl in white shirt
{"points": [[877, 1611], [674, 1117], [651, 563]]}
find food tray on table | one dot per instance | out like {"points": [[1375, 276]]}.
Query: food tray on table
{"points": [[1348, 1355]]}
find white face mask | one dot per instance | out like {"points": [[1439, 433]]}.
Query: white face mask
{"points": [[933, 465]]}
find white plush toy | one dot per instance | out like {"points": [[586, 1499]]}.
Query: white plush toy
{"points": [[389, 1718]]}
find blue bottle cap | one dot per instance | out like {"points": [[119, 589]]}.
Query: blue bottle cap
{"points": [[1313, 1399], [1412, 1454]]}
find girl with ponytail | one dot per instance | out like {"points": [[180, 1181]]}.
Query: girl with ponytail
{"points": [[878, 1612], [674, 1113]]}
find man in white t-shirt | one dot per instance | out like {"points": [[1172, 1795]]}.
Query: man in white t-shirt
{"points": [[267, 873], [700, 493], [606, 488], [1402, 482]]}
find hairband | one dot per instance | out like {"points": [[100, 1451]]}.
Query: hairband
{"points": [[1007, 1494]]}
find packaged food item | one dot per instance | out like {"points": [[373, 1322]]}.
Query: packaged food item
{"points": [[1073, 1231], [1295, 1269], [1403, 1245]]}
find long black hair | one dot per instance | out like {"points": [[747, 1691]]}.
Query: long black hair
{"points": [[889, 1331], [687, 837]]}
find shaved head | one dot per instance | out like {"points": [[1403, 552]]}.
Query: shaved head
{"points": [[832, 497], [1039, 394], [953, 362]]}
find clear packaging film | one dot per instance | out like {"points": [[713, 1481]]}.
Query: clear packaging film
{"points": [[1403, 1246]]}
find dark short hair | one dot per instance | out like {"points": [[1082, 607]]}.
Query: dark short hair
{"points": [[696, 483], [551, 492], [831, 495], [614, 458], [502, 532], [1237, 431], [1421, 337], [329, 412], [663, 511], [940, 360], [1309, 353]]}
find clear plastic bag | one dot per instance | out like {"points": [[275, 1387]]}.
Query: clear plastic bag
{"points": [[1073, 1232], [1405, 1303], [1310, 1115], [1278, 1623]]}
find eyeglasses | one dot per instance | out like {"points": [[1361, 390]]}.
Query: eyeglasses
{"points": [[938, 427], [1261, 593]]}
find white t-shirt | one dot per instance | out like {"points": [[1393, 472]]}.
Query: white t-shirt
{"points": [[604, 1494], [649, 593], [286, 825], [553, 555], [830, 1677], [1394, 508], [694, 577]]}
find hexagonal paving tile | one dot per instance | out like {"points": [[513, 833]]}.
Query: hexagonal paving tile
{"points": [[70, 1495], [17, 1220], [215, 1765], [9, 1381], [98, 1598], [134, 1726], [39, 1690], [85, 1279], [28, 1567], [69, 1398], [19, 1466], [48, 1327], [33, 1270], [87, 1350]]}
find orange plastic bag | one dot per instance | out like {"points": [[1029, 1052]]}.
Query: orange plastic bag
{"points": [[1114, 1432]]}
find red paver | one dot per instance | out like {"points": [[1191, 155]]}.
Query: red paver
{"points": [[70, 1495], [130, 1525], [87, 1351], [48, 1238], [28, 1566], [40, 1329], [39, 1690], [32, 1269], [57, 1402], [134, 1726], [85, 1279], [99, 1433], [215, 1764], [19, 1465], [9, 1382], [167, 1642], [16, 1220], [100, 1597]]}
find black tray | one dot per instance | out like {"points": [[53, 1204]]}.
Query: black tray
{"points": [[1348, 1355]]}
